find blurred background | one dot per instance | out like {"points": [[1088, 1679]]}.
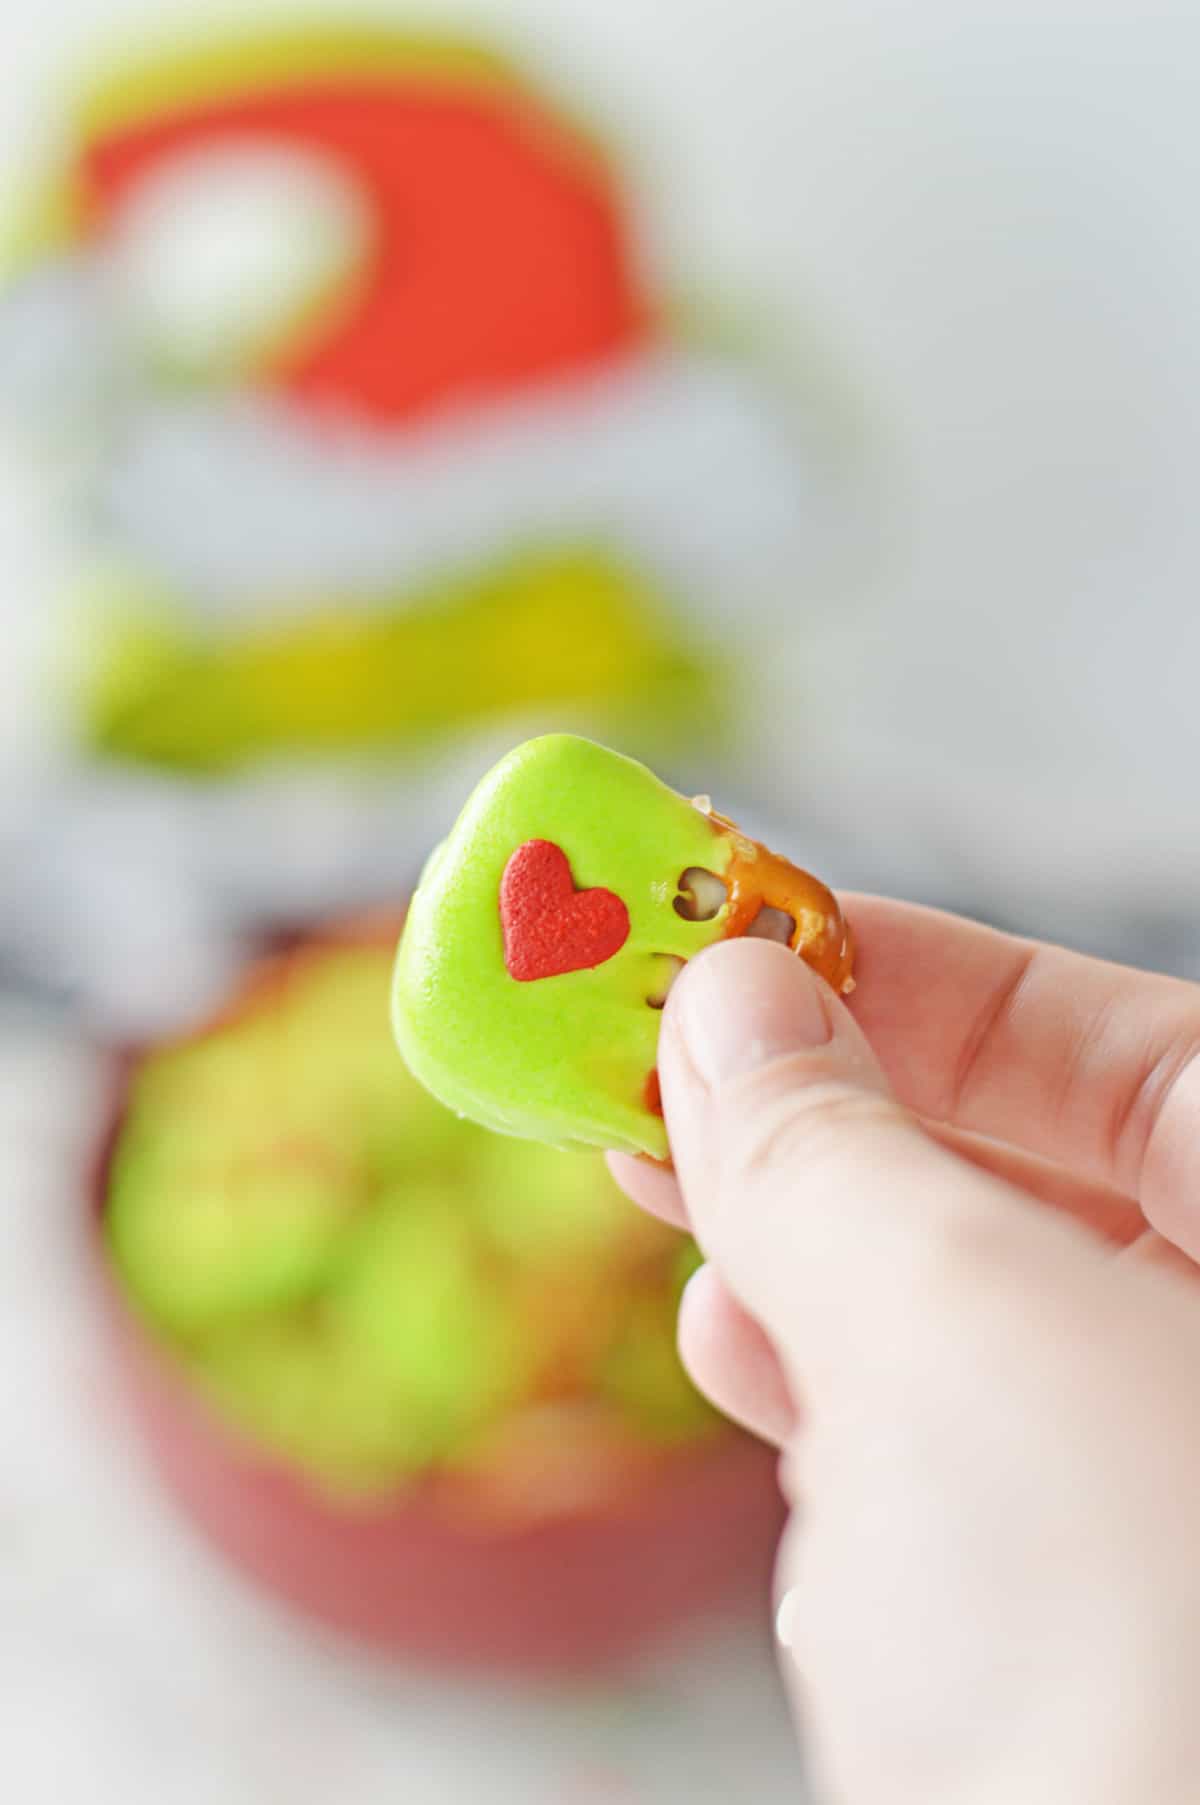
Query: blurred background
{"points": [[805, 400]]}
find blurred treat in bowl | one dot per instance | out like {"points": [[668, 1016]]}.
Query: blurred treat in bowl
{"points": [[397, 451], [417, 1379]]}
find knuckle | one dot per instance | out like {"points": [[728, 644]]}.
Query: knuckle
{"points": [[949, 1232], [1162, 1103], [968, 1246], [998, 1011], [797, 1119]]}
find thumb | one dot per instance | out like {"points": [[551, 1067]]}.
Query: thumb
{"points": [[833, 1218]]}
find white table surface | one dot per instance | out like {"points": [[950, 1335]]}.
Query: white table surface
{"points": [[134, 1667]]}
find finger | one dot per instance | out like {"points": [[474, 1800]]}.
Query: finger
{"points": [[1111, 1215], [731, 1361], [1150, 1249], [726, 1352], [836, 1221], [1085, 1063], [1108, 1213], [653, 1187]]}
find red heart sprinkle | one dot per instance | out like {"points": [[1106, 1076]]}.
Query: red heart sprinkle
{"points": [[549, 926]]}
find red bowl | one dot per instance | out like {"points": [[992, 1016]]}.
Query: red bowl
{"points": [[426, 1572]]}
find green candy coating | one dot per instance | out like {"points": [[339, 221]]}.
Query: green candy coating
{"points": [[562, 1059]]}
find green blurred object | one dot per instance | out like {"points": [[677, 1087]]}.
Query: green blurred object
{"points": [[362, 1282], [557, 628]]}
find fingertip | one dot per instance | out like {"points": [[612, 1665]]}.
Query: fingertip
{"points": [[729, 1359], [652, 1185], [739, 1005], [739, 1011], [787, 1622]]}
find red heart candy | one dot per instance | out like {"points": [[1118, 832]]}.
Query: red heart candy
{"points": [[549, 926]]}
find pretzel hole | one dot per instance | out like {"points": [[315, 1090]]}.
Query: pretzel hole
{"points": [[702, 895], [772, 924]]}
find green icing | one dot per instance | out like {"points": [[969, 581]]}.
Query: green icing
{"points": [[562, 1059]]}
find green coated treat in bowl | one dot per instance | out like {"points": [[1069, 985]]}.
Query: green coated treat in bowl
{"points": [[362, 1282]]}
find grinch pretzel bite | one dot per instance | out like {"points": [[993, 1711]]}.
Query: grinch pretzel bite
{"points": [[548, 928]]}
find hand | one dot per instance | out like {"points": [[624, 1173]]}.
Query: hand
{"points": [[946, 1238]]}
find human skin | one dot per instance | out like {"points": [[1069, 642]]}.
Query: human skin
{"points": [[949, 1232]]}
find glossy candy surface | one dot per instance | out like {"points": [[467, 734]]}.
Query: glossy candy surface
{"points": [[546, 929]]}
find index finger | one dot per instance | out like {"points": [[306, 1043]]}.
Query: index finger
{"points": [[1087, 1063]]}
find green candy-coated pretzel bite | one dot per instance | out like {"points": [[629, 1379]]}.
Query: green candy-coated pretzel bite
{"points": [[546, 929]]}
